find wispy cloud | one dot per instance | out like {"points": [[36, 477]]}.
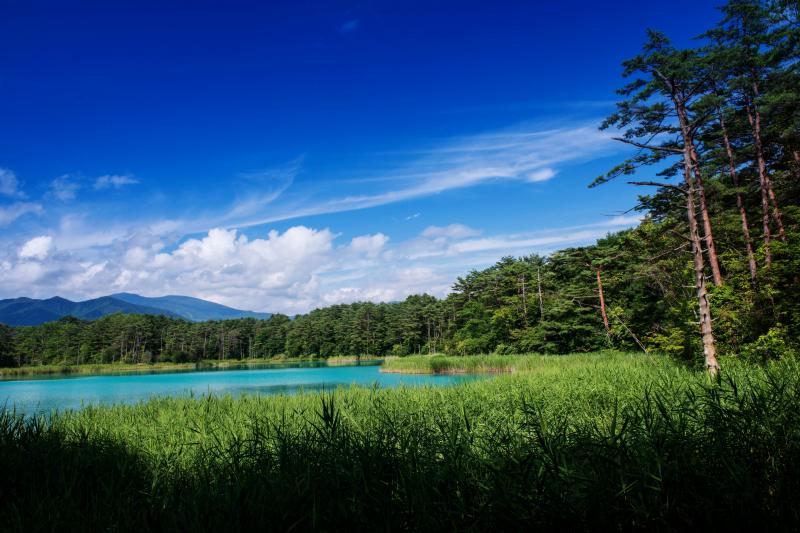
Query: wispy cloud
{"points": [[452, 231], [9, 184], [458, 240], [9, 214], [541, 175], [263, 188], [524, 154], [65, 187], [115, 181]]}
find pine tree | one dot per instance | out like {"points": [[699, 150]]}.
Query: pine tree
{"points": [[657, 117]]}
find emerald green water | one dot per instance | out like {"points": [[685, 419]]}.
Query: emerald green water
{"points": [[45, 394]]}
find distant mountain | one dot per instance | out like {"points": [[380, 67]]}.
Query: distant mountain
{"points": [[189, 308], [31, 312]]}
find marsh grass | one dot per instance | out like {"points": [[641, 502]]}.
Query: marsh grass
{"points": [[583, 442], [494, 363], [133, 368]]}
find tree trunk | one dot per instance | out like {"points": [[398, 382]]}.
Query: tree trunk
{"points": [[796, 156], [762, 177], [429, 336], [711, 247], [709, 347], [524, 301], [754, 116], [541, 300], [602, 302], [748, 243], [691, 159]]}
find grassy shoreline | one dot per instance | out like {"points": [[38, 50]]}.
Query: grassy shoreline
{"points": [[496, 364], [119, 368], [595, 441], [350, 359], [413, 364]]}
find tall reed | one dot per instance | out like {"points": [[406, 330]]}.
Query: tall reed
{"points": [[611, 442]]}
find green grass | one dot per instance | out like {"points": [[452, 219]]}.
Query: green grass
{"points": [[349, 359], [601, 442], [117, 368], [474, 364]]}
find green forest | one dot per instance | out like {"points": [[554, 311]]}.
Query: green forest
{"points": [[712, 268]]}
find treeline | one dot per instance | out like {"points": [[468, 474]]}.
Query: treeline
{"points": [[714, 268]]}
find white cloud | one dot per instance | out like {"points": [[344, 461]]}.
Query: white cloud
{"points": [[16, 210], [369, 245], [135, 257], [22, 276], [291, 271], [36, 248], [231, 268], [544, 174], [87, 275], [114, 180], [9, 185], [64, 187], [452, 231]]}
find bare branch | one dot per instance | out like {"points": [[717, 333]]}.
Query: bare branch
{"points": [[649, 147], [681, 247], [681, 235], [657, 184], [666, 80]]}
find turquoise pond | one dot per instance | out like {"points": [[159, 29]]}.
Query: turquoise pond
{"points": [[29, 396]]}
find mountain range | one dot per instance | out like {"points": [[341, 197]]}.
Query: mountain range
{"points": [[31, 312]]}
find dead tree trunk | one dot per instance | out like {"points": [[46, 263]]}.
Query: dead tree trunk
{"points": [[762, 177], [711, 247], [689, 161], [692, 164], [748, 243], [541, 300], [709, 347], [602, 302], [429, 336], [796, 157]]}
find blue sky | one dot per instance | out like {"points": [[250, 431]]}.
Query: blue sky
{"points": [[283, 156]]}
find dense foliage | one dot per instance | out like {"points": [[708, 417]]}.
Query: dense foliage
{"points": [[724, 116], [587, 442]]}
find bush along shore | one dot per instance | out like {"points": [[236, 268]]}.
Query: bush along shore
{"points": [[601, 442], [493, 363]]}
